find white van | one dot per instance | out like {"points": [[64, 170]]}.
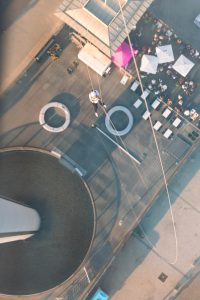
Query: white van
{"points": [[197, 21]]}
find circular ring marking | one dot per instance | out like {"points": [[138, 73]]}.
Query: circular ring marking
{"points": [[109, 125], [54, 105]]}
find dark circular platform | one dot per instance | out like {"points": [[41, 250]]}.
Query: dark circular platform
{"points": [[67, 222]]}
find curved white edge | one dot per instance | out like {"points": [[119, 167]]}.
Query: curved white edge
{"points": [[15, 238], [109, 126], [17, 218], [54, 105]]}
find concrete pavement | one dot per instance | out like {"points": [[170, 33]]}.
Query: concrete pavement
{"points": [[22, 40], [135, 272], [190, 290], [116, 187], [11, 10], [114, 181]]}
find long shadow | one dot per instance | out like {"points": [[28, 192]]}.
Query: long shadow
{"points": [[119, 121], [12, 10], [108, 207], [179, 181], [9, 137], [52, 118], [93, 156], [125, 263], [19, 88], [70, 101], [36, 184]]}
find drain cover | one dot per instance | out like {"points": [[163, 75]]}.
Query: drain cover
{"points": [[162, 277]]}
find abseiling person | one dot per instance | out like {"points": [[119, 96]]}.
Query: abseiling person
{"points": [[95, 99]]}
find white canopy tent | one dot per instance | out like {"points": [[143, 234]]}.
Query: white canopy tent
{"points": [[165, 54], [149, 64], [94, 58], [183, 65]]}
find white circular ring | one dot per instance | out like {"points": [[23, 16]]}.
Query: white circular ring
{"points": [[108, 123], [54, 105]]}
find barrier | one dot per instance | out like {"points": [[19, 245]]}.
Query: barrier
{"points": [[43, 51]]}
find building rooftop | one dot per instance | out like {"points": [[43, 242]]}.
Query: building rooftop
{"points": [[101, 21], [104, 10]]}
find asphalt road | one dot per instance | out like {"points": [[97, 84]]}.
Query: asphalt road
{"points": [[67, 222]]}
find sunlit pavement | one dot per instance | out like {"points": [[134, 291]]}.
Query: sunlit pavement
{"points": [[114, 180], [135, 272], [22, 44]]}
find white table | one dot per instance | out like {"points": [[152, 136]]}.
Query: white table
{"points": [[167, 133], [146, 115], [124, 79], [157, 125], [137, 103], [155, 104], [134, 86], [166, 113], [187, 113], [176, 122], [145, 94]]}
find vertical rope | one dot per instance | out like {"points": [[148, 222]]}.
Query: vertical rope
{"points": [[154, 136]]}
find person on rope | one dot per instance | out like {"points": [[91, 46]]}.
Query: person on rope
{"points": [[95, 99]]}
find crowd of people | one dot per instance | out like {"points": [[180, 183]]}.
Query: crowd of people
{"points": [[189, 51], [162, 84], [157, 86], [188, 86]]}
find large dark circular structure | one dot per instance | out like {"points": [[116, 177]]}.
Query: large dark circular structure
{"points": [[67, 215]]}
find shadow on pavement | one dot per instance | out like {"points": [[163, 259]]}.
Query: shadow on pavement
{"points": [[71, 102], [125, 263], [11, 10]]}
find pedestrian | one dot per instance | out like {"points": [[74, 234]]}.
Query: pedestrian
{"points": [[95, 99], [169, 102]]}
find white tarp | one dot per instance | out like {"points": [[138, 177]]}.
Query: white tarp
{"points": [[165, 54], [94, 58], [17, 222], [197, 21], [149, 64], [183, 65]]}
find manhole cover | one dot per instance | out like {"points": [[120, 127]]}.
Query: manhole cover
{"points": [[162, 277]]}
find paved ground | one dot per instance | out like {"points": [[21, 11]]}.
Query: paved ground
{"points": [[191, 290], [67, 222], [12, 10], [180, 15], [26, 28], [122, 190], [147, 28], [119, 187], [135, 272]]}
